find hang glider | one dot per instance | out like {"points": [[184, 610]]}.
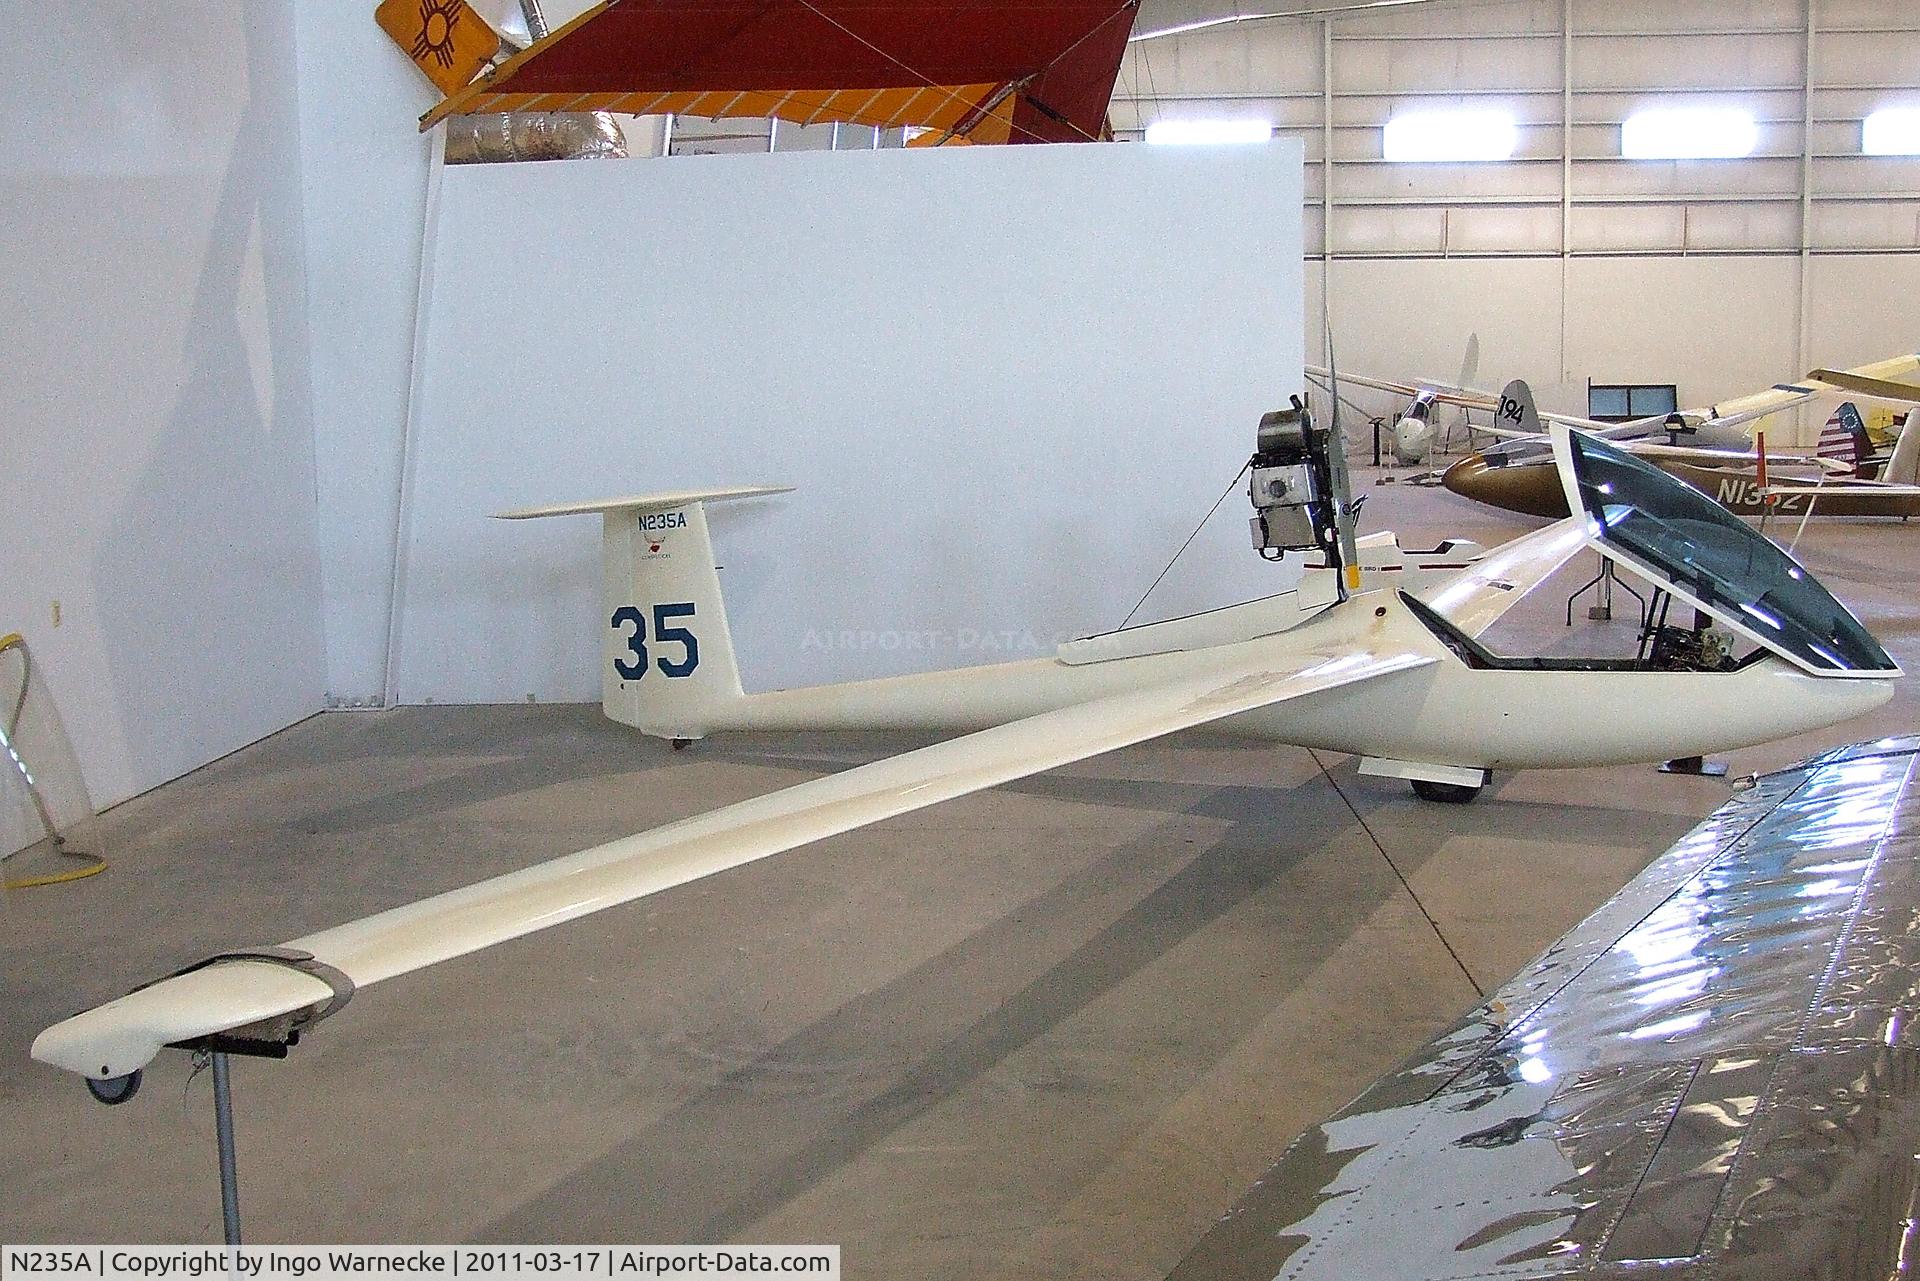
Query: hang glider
{"points": [[1190, 26], [1394, 671], [990, 71]]}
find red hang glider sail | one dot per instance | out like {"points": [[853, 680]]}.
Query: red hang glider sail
{"points": [[987, 71]]}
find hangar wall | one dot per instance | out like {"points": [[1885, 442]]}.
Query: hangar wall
{"points": [[1008, 382], [1570, 262], [158, 318], [364, 172], [158, 476]]}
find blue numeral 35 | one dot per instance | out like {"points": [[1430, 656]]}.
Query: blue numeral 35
{"points": [[665, 631]]}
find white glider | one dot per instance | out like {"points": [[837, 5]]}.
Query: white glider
{"points": [[1875, 383], [1393, 671]]}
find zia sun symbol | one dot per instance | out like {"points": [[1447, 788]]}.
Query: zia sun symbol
{"points": [[437, 20]]}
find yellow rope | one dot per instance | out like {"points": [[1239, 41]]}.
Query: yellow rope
{"points": [[90, 864]]}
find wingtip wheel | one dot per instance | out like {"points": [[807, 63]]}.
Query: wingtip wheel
{"points": [[1695, 766], [114, 1090], [1445, 793]]}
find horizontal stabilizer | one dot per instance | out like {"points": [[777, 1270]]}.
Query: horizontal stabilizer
{"points": [[642, 503], [1850, 489]]}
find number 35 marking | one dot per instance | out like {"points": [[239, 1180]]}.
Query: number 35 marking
{"points": [[665, 632]]}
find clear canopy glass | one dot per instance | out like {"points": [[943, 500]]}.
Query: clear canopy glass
{"points": [[1715, 559]]}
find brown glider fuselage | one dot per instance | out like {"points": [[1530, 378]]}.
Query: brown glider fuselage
{"points": [[1533, 488]]}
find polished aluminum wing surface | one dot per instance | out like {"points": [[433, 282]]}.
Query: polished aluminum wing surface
{"points": [[1717, 1074]]}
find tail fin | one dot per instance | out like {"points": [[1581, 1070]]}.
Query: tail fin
{"points": [[1517, 411], [1470, 362], [1904, 467], [1844, 438], [667, 655]]}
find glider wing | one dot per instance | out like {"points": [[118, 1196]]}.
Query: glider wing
{"points": [[250, 996]]}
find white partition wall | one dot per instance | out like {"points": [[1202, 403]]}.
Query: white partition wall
{"points": [[156, 460], [1008, 382]]}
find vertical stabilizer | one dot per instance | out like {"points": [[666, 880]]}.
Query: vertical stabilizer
{"points": [[1904, 467], [667, 664], [1844, 439], [1517, 411]]}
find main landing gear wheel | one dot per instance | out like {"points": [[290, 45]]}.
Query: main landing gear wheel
{"points": [[1444, 793], [115, 1090]]}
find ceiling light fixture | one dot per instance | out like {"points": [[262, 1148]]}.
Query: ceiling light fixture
{"points": [[1891, 131], [1689, 133], [1453, 134], [1207, 132]]}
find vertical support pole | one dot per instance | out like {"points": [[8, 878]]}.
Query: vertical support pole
{"points": [[223, 1132], [1566, 179], [1804, 350], [410, 432], [1326, 176], [536, 19]]}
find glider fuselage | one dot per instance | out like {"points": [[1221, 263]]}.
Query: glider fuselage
{"points": [[1448, 712], [1532, 488]]}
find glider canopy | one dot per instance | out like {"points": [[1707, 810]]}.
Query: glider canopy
{"points": [[986, 71]]}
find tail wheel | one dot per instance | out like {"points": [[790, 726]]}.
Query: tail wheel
{"points": [[1444, 793]]}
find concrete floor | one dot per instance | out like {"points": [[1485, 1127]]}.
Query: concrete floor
{"points": [[1049, 1031]]}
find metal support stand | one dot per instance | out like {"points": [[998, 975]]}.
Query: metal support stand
{"points": [[223, 1131], [1602, 610]]}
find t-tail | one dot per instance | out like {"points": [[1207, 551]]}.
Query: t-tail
{"points": [[667, 664]]}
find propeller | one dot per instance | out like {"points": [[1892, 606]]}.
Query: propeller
{"points": [[1343, 513]]}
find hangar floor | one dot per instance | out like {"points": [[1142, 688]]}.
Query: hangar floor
{"points": [[1049, 1031]]}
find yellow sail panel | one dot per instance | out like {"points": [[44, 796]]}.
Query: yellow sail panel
{"points": [[446, 39], [466, 97], [995, 127]]}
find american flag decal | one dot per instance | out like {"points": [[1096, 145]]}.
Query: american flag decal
{"points": [[1841, 438]]}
